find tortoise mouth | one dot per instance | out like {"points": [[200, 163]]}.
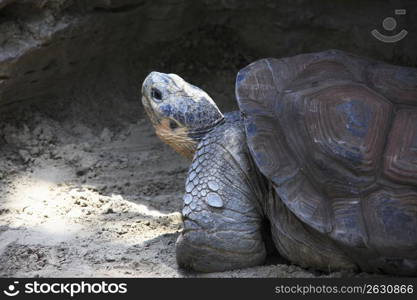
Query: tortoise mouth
{"points": [[153, 116]]}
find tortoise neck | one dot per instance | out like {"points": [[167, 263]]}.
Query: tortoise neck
{"points": [[198, 134]]}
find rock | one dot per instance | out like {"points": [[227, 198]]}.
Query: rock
{"points": [[35, 151], [106, 135], [82, 171], [86, 147], [25, 155], [109, 258], [41, 57], [107, 208], [44, 132]]}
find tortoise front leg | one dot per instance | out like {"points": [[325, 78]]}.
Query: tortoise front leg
{"points": [[221, 214]]}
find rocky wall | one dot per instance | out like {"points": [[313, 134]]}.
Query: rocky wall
{"points": [[64, 49]]}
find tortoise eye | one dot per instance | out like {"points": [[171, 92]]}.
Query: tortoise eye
{"points": [[156, 94], [173, 125]]}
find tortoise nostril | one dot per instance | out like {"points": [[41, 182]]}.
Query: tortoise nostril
{"points": [[156, 94]]}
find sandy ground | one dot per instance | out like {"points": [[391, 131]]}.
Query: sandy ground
{"points": [[94, 201]]}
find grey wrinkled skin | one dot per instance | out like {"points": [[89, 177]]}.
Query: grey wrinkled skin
{"points": [[222, 214]]}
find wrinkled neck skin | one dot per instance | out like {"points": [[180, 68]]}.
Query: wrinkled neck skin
{"points": [[223, 204], [197, 135]]}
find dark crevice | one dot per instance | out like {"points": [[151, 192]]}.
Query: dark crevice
{"points": [[49, 66], [272, 255]]}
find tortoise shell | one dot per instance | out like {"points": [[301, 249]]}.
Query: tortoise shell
{"points": [[336, 135]]}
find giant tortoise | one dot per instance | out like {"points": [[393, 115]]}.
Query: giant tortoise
{"points": [[323, 147]]}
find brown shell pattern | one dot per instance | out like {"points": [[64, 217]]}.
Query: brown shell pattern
{"points": [[337, 136]]}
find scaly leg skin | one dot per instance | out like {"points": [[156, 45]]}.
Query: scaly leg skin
{"points": [[222, 216]]}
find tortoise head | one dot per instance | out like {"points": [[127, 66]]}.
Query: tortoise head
{"points": [[180, 112]]}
